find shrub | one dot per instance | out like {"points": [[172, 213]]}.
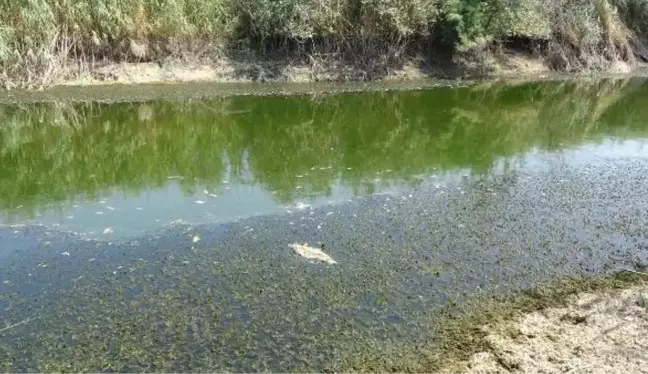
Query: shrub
{"points": [[38, 36]]}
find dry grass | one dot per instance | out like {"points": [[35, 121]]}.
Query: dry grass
{"points": [[44, 41]]}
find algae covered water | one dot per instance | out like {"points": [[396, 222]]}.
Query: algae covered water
{"points": [[156, 235]]}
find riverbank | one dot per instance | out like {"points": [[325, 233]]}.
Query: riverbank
{"points": [[288, 69], [133, 88], [45, 43], [505, 64], [586, 325]]}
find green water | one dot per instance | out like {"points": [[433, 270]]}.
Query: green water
{"points": [[423, 197], [136, 167]]}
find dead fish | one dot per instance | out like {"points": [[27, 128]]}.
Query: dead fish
{"points": [[302, 206], [236, 112], [312, 253]]}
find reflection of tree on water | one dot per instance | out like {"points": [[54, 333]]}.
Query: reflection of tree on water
{"points": [[51, 152]]}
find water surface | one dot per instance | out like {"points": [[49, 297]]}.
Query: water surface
{"points": [[154, 235], [136, 167]]}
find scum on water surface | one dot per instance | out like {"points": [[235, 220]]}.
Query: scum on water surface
{"points": [[500, 189], [243, 301]]}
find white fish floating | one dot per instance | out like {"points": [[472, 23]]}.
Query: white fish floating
{"points": [[302, 206], [312, 253], [108, 230]]}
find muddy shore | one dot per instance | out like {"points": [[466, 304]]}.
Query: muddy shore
{"points": [[262, 76]]}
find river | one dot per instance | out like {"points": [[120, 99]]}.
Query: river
{"points": [[154, 235]]}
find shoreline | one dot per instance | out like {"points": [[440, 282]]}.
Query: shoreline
{"points": [[145, 81], [207, 90], [289, 69], [579, 324], [49, 43]]}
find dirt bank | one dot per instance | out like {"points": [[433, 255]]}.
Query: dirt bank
{"points": [[506, 63], [290, 70], [596, 331]]}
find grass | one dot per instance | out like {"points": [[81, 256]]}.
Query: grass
{"points": [[42, 41]]}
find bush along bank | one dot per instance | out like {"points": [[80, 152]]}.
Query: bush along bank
{"points": [[45, 41]]}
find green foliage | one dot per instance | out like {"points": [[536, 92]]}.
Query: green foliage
{"points": [[528, 18], [464, 21], [400, 18], [582, 34], [389, 19], [475, 22], [36, 36]]}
